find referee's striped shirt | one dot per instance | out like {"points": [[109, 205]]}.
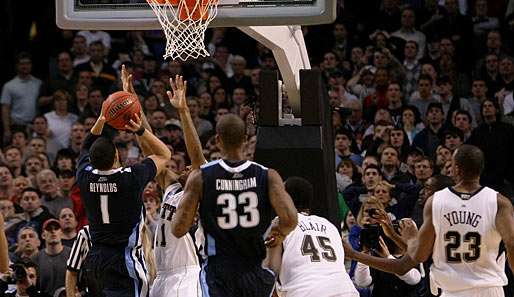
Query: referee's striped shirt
{"points": [[79, 250]]}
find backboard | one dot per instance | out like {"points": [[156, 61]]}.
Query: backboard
{"points": [[137, 14]]}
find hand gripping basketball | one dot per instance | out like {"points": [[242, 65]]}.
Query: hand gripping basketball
{"points": [[134, 124]]}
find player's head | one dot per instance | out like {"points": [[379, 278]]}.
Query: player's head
{"points": [[103, 154], [468, 163], [230, 132], [301, 191]]}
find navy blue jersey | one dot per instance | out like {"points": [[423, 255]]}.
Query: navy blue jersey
{"points": [[235, 210], [113, 199]]}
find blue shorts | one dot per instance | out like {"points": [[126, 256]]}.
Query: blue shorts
{"points": [[228, 278]]}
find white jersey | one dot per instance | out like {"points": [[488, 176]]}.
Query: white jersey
{"points": [[172, 253], [313, 261], [467, 245]]}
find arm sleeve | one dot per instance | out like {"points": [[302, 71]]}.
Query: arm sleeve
{"points": [[362, 276], [6, 96], [79, 251], [144, 172], [412, 277]]}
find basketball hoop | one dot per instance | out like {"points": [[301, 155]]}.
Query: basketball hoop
{"points": [[184, 23]]}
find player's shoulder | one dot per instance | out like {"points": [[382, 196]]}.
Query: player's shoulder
{"points": [[211, 164]]}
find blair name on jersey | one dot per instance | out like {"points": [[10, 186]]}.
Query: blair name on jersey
{"points": [[463, 217], [307, 226], [236, 184], [103, 187]]}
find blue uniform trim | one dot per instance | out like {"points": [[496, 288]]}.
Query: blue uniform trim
{"points": [[210, 164], [135, 262], [203, 280], [211, 246]]}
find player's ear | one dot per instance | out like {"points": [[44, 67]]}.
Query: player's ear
{"points": [[219, 144]]}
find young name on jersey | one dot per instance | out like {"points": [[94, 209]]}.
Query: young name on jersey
{"points": [[463, 217]]}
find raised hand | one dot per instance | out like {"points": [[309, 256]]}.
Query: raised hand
{"points": [[178, 96], [126, 80], [408, 229]]}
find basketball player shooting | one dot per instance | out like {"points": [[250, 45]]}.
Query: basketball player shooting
{"points": [[112, 196], [462, 230], [235, 197], [177, 263]]}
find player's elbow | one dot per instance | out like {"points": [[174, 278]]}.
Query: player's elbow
{"points": [[177, 231], [289, 220]]}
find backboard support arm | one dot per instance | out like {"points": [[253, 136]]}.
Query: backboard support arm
{"points": [[288, 47]]}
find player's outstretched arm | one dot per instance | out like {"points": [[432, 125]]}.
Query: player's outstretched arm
{"points": [[419, 249], [184, 218], [161, 153], [505, 226], [178, 100], [282, 204], [4, 255], [273, 258]]}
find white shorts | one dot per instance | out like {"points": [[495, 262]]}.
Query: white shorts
{"points": [[476, 292], [184, 282]]}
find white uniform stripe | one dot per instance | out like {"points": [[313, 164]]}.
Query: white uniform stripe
{"points": [[80, 249]]}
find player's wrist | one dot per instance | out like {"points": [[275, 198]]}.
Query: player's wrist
{"points": [[140, 131]]}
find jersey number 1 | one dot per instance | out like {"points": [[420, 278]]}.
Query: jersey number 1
{"points": [[104, 209], [230, 218]]}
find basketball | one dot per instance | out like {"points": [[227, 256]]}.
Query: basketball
{"points": [[120, 108]]}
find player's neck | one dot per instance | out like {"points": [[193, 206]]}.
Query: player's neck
{"points": [[233, 155], [467, 186]]}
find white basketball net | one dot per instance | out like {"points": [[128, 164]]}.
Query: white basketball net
{"points": [[184, 22]]}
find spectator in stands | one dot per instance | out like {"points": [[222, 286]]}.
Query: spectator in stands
{"points": [[52, 197], [79, 50], [462, 121], [19, 95], [394, 98], [239, 79], [10, 217], [343, 147], [452, 138], [14, 159], [411, 122], [27, 244], [65, 79], [69, 226], [412, 67], [103, 75], [26, 286], [506, 70], [94, 103], [60, 120], [66, 181], [97, 36], [450, 104], [424, 96], [478, 95], [40, 129], [77, 136], [355, 194], [19, 140], [33, 165], [52, 259], [482, 23], [6, 183], [408, 31], [423, 170], [496, 140], [389, 159], [429, 138]]}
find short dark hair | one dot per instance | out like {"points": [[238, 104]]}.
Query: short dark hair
{"points": [[96, 42], [464, 112], [372, 166], [102, 154], [470, 160], [442, 182], [31, 189], [425, 77], [301, 191], [231, 130], [23, 55], [437, 105]]}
